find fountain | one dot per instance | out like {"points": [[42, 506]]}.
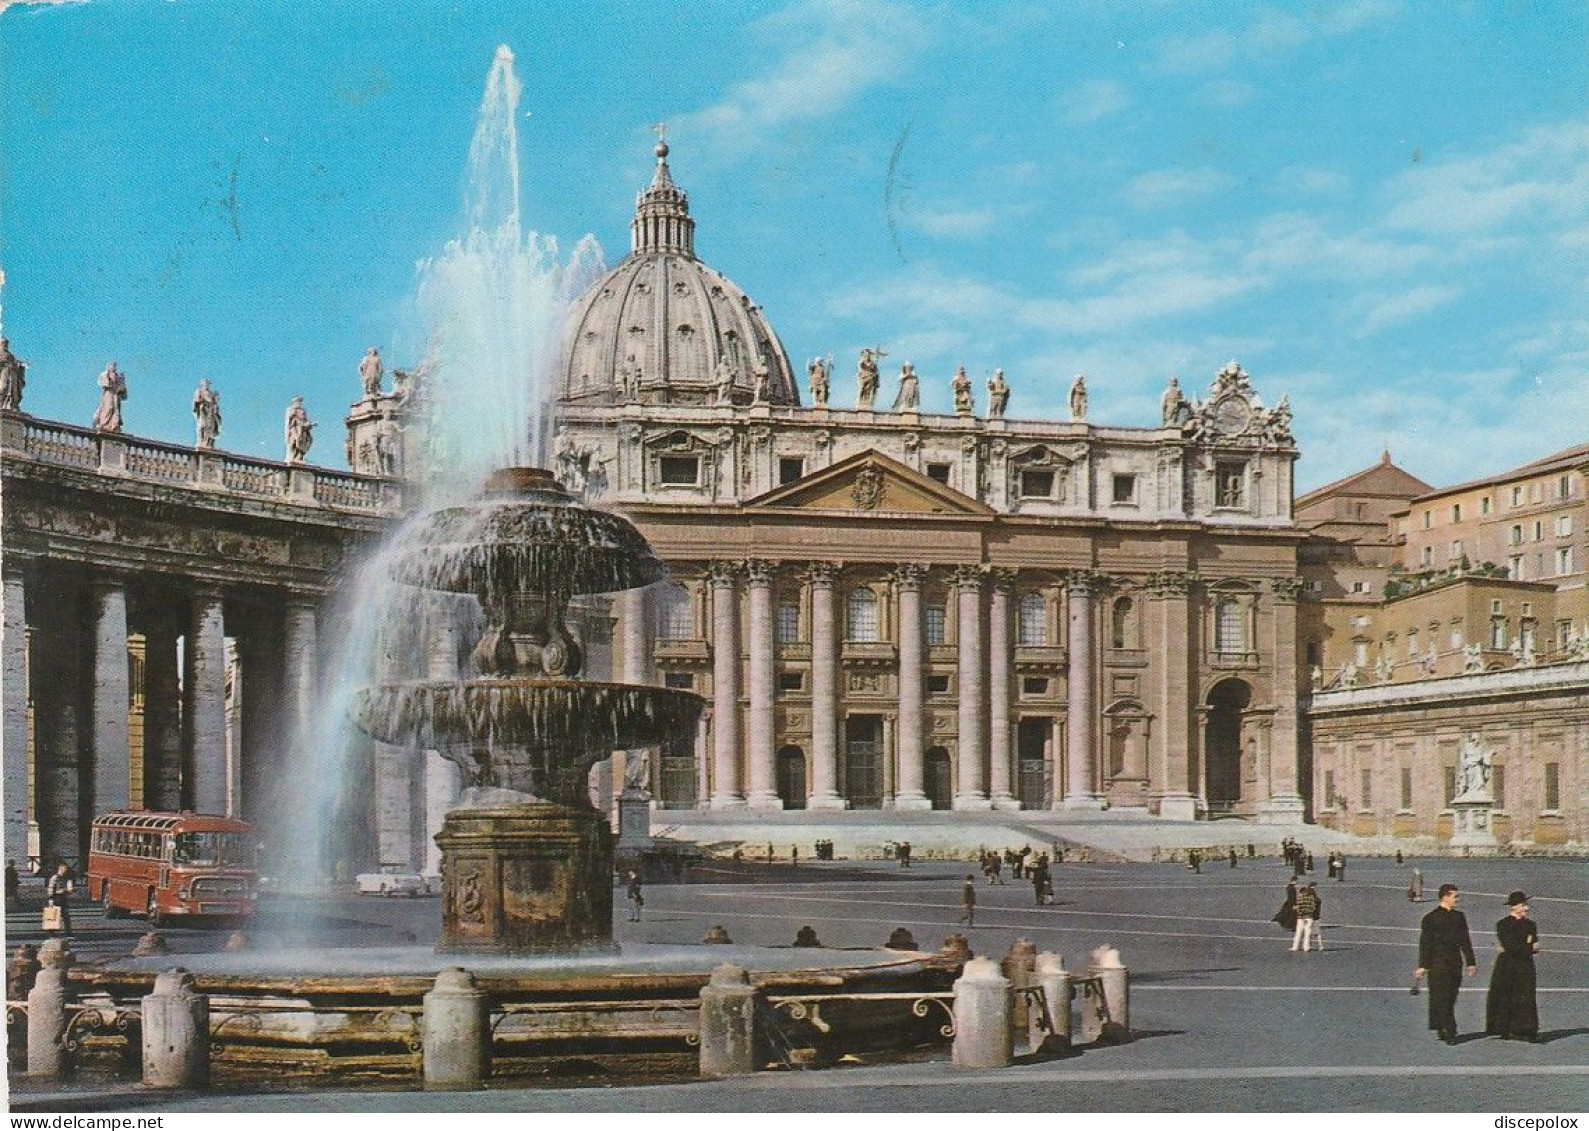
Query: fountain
{"points": [[526, 860]]}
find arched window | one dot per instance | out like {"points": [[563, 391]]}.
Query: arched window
{"points": [[1124, 634], [675, 616], [1230, 626], [862, 616], [1033, 627]]}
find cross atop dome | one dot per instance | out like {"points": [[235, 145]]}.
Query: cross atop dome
{"points": [[662, 212]]}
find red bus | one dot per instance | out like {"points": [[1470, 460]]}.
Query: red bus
{"points": [[173, 865]]}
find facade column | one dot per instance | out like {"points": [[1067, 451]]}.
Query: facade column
{"points": [[1000, 691], [824, 691], [910, 791], [204, 703], [59, 725], [1283, 803], [162, 714], [727, 790], [261, 694], [1176, 654], [971, 782], [14, 714], [300, 667], [109, 696], [1081, 788], [761, 753], [633, 636]]}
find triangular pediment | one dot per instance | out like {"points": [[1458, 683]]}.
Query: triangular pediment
{"points": [[866, 483]]}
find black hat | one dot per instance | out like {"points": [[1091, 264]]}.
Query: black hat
{"points": [[1515, 898]]}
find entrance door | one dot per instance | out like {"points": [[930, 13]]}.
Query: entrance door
{"points": [[1031, 749], [863, 761], [1222, 744], [940, 785], [792, 777], [676, 777]]}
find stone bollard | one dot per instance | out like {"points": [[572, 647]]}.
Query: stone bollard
{"points": [[1106, 1006], [1049, 973], [23, 968], [728, 1024], [982, 1017], [47, 1011], [1017, 966], [176, 1033], [456, 1032]]}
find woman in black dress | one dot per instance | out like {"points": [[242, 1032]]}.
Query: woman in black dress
{"points": [[1511, 1011]]}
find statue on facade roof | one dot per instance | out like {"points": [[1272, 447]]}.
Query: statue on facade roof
{"points": [[207, 413], [300, 432], [909, 396], [1173, 408], [113, 390], [370, 372], [818, 372], [725, 380], [866, 378], [1078, 398], [13, 378], [998, 394], [961, 388], [1277, 425]]}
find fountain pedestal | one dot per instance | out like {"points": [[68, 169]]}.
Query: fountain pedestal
{"points": [[525, 878]]}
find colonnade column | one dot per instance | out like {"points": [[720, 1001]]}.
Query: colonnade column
{"points": [[204, 702], [824, 691], [971, 784], [14, 714], [162, 715], [1283, 803], [58, 730], [727, 790], [763, 786], [108, 697], [633, 636], [910, 792], [1176, 654], [1081, 790], [300, 666], [999, 691]]}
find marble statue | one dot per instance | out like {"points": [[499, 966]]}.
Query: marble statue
{"points": [[370, 372], [909, 398], [998, 394], [637, 771], [1474, 767], [113, 390], [1078, 398], [573, 463], [300, 432], [725, 380], [818, 372], [1277, 425], [1172, 404], [1349, 675], [1472, 659], [961, 387], [207, 413], [13, 377], [866, 378], [1431, 660], [1316, 677], [1384, 670], [763, 377], [630, 375]]}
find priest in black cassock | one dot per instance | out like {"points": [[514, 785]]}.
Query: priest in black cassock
{"points": [[1443, 944], [1510, 1011]]}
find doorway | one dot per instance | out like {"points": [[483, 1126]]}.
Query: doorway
{"points": [[940, 783], [791, 771], [1222, 744], [1032, 783], [863, 761]]}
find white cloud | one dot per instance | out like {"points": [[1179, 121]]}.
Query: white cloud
{"points": [[1175, 186], [951, 222], [1381, 311], [1271, 34], [1297, 180], [1226, 93], [1092, 102]]}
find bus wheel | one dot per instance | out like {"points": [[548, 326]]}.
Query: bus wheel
{"points": [[111, 910], [155, 918]]}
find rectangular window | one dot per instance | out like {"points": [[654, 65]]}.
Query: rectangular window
{"points": [[790, 469], [861, 623], [1539, 530], [1563, 634], [1230, 485], [1484, 505], [1514, 536], [1230, 628], [1451, 784], [1563, 525], [937, 685], [1125, 488], [1498, 785], [679, 681], [1563, 561], [788, 622], [1552, 786], [934, 619], [1426, 557], [791, 681], [1514, 567], [1456, 550], [1034, 685], [1366, 797], [1564, 486], [1406, 788], [1329, 789], [1456, 512], [676, 619], [939, 471], [1497, 632], [1313, 654], [1037, 484], [1359, 587], [1517, 496], [1428, 519], [680, 471]]}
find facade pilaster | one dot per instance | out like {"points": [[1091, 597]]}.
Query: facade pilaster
{"points": [[1081, 784], [910, 786], [1171, 605], [971, 781], [763, 786], [1283, 803], [1000, 691], [14, 713], [824, 691], [204, 703], [727, 788]]}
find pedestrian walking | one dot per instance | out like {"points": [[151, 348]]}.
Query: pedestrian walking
{"points": [[636, 899], [1443, 947], [1042, 886], [903, 852], [1398, 856], [1307, 908], [1287, 915], [996, 864], [1340, 868], [57, 900], [794, 855], [1233, 856], [1415, 888], [1330, 865], [968, 902], [13, 885], [1511, 1011]]}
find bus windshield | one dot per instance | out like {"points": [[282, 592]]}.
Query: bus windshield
{"points": [[212, 849]]}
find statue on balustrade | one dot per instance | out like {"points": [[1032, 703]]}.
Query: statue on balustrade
{"points": [[866, 378], [112, 391], [207, 413], [998, 394], [300, 432], [1078, 398], [818, 372], [13, 378], [370, 372], [961, 388], [1173, 408], [909, 397]]}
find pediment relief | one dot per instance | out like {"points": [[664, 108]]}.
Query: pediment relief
{"points": [[1046, 455], [678, 442], [870, 482]]}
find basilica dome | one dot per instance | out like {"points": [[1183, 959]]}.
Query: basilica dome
{"points": [[664, 328]]}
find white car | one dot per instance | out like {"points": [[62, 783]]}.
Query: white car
{"points": [[392, 884]]}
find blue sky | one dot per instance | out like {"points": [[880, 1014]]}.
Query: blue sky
{"points": [[1380, 208]]}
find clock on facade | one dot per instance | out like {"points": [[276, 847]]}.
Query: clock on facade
{"points": [[1231, 415]]}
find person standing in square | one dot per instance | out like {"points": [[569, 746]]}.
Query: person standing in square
{"points": [[1443, 947], [1510, 1011]]}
